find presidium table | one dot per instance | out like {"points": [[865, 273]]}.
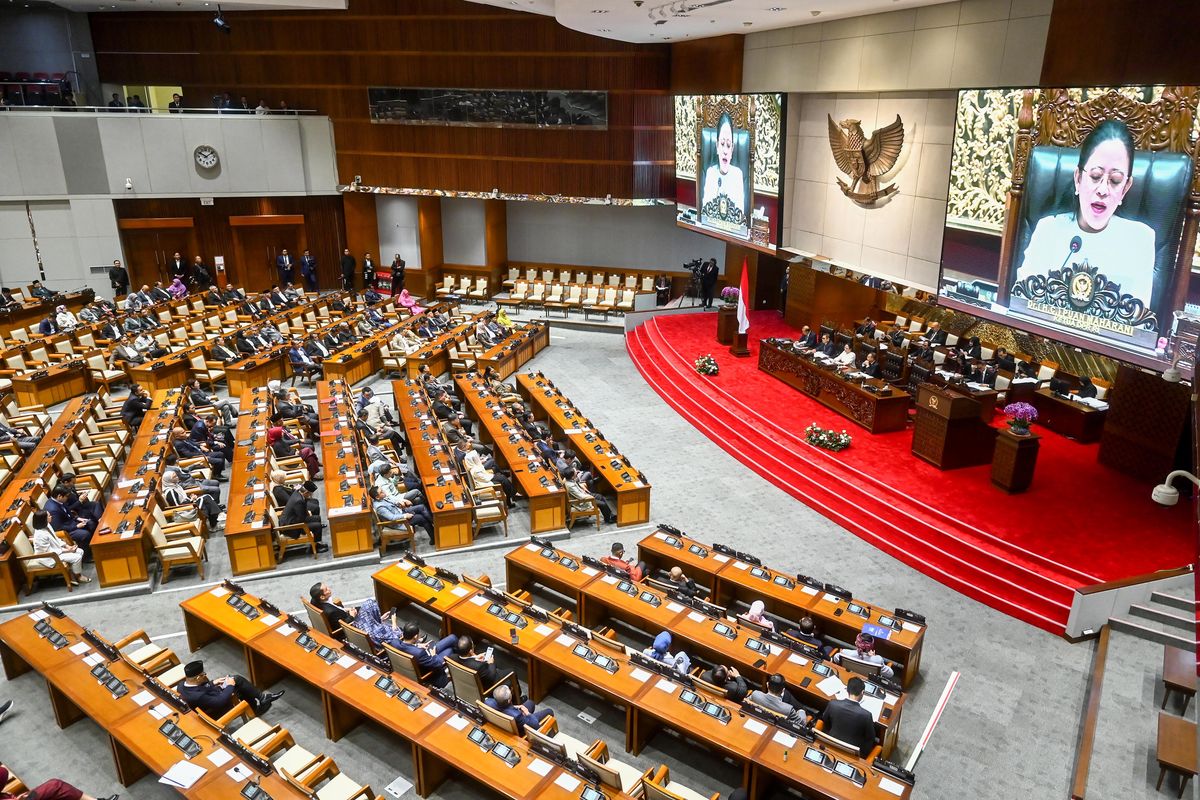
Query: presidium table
{"points": [[873, 404]]}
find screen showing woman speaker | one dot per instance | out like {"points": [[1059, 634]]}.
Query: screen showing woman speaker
{"points": [[727, 155], [1066, 214]]}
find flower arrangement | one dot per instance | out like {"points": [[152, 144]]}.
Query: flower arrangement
{"points": [[826, 439], [707, 365], [1020, 417], [730, 294]]}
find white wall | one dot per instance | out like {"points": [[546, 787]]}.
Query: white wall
{"points": [[463, 231], [399, 231], [900, 239], [973, 43], [71, 235], [634, 237], [59, 155]]}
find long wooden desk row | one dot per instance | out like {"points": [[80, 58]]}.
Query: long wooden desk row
{"points": [[699, 629], [362, 359], [83, 683], [630, 486], [899, 635], [435, 353], [350, 690], [20, 497], [433, 462], [552, 651], [33, 310], [347, 505], [248, 534], [121, 545], [513, 449], [525, 341]]}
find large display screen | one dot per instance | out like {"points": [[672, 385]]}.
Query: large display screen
{"points": [[728, 161], [1065, 214]]}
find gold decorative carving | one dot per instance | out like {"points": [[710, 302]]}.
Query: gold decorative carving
{"points": [[865, 160]]}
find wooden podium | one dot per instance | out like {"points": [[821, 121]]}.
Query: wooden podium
{"points": [[727, 324], [948, 431], [1016, 457]]}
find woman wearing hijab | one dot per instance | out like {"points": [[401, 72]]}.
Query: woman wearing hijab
{"points": [[661, 651], [177, 289], [175, 495], [864, 650], [64, 319], [409, 302], [382, 628], [284, 446], [757, 616]]}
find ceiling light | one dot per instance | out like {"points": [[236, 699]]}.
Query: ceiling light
{"points": [[747, 24], [815, 13], [599, 10], [606, 30], [776, 8]]}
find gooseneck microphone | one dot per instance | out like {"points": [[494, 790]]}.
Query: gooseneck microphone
{"points": [[1076, 245]]}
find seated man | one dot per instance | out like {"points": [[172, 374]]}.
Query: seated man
{"points": [[683, 584], [135, 407], [200, 398], [216, 698], [212, 297], [321, 596], [727, 678], [22, 438], [635, 569], [578, 495], [297, 511], [484, 664], [87, 504], [126, 352], [221, 351], [864, 650], [870, 365], [848, 721], [430, 657], [867, 329], [390, 509], [773, 700], [158, 294], [186, 448], [526, 714], [806, 632], [302, 362]]}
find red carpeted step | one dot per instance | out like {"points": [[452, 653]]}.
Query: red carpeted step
{"points": [[879, 494], [999, 583]]}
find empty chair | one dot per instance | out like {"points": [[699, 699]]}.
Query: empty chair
{"points": [[647, 283], [548, 735], [480, 292], [177, 551], [531, 273], [613, 774], [538, 294], [659, 786], [547, 275], [614, 279], [564, 276], [447, 286]]}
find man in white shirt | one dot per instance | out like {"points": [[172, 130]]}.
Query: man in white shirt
{"points": [[46, 540]]}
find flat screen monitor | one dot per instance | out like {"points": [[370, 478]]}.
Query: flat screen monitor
{"points": [[728, 166], [1065, 214]]}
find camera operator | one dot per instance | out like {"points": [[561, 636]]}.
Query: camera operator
{"points": [[708, 279]]}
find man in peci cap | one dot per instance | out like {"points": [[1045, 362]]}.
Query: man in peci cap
{"points": [[215, 698]]}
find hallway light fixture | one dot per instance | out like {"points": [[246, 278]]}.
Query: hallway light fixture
{"points": [[219, 20]]}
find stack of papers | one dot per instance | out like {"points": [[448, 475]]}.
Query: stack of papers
{"points": [[183, 774], [874, 705], [832, 686]]}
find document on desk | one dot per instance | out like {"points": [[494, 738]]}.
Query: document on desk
{"points": [[874, 705], [458, 591], [543, 630], [93, 659], [785, 739], [345, 662], [567, 781], [720, 559], [674, 607], [740, 565], [695, 616], [458, 722], [38, 616], [238, 772], [183, 774], [80, 648], [479, 600], [433, 709], [161, 711], [220, 757], [808, 590], [219, 591], [365, 672], [591, 573], [666, 685], [891, 787], [539, 767], [832, 685], [639, 675], [285, 629], [609, 579], [908, 626], [754, 726], [143, 698], [795, 659], [267, 619]]}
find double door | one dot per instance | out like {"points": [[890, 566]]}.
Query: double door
{"points": [[258, 242], [150, 246]]}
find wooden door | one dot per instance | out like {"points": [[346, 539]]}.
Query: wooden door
{"points": [[150, 244], [257, 242], [768, 284]]}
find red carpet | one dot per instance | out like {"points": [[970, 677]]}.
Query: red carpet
{"points": [[1080, 523]]}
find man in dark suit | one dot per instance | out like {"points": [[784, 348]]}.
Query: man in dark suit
{"points": [[935, 335], [179, 267], [84, 505], [213, 298], [40, 292], [135, 407], [176, 104], [265, 304], [316, 350], [46, 326], [867, 329], [301, 361], [297, 511], [62, 519], [308, 270], [807, 340], [1004, 360], [118, 278], [201, 274], [284, 263], [247, 345], [483, 664], [187, 448], [870, 365], [397, 275], [368, 271], [278, 298], [826, 347], [321, 596], [215, 698], [708, 279], [525, 713], [158, 294], [921, 352], [848, 721], [348, 267], [330, 341], [1086, 387], [430, 657]]}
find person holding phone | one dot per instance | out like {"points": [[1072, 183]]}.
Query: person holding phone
{"points": [[483, 664], [526, 713]]}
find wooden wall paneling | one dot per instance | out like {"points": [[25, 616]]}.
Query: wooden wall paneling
{"points": [[495, 240], [707, 66], [362, 227], [815, 297], [321, 216], [327, 59], [1147, 418], [429, 230]]}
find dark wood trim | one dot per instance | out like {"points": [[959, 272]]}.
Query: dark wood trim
{"points": [[155, 223], [258, 220], [1091, 715]]}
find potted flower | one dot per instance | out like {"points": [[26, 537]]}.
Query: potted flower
{"points": [[730, 295], [707, 365], [826, 439], [1020, 417]]}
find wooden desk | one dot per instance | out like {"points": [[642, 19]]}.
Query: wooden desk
{"points": [[52, 385], [434, 463], [548, 501], [1082, 423], [730, 579], [1178, 674], [525, 341], [137, 746], [436, 353], [167, 372], [548, 649], [123, 557], [1176, 749], [627, 484], [248, 535], [350, 530], [873, 412], [34, 311]]}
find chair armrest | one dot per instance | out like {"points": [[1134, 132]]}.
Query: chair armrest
{"points": [[40, 556], [139, 634]]}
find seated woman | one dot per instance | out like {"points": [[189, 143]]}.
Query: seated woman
{"points": [[757, 616], [177, 289], [506, 393], [661, 651], [46, 540], [285, 446], [409, 302], [64, 319], [845, 359], [175, 495], [381, 627], [504, 320]]}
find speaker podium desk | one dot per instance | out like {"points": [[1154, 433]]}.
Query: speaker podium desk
{"points": [[949, 432]]}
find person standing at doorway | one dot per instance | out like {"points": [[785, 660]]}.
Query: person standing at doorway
{"points": [[397, 275], [308, 270], [368, 272], [348, 267], [284, 263]]}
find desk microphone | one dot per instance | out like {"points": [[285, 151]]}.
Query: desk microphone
{"points": [[1076, 245]]}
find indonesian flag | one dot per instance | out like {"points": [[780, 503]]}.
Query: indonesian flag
{"points": [[743, 313]]}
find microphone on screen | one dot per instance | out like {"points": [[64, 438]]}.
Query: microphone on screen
{"points": [[1076, 244]]}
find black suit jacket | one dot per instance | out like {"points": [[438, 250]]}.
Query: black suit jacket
{"points": [[347, 266], [296, 511], [870, 369], [937, 338], [1007, 362], [244, 346], [808, 340], [850, 722], [866, 330], [827, 349], [1087, 389]]}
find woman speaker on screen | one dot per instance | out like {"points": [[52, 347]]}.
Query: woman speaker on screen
{"points": [[1120, 249], [723, 198]]}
